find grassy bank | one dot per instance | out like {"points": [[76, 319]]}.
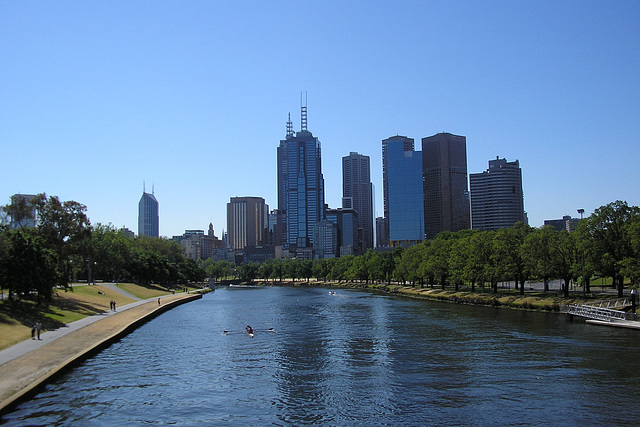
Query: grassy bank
{"points": [[17, 317]]}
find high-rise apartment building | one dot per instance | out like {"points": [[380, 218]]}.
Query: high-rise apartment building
{"points": [[446, 194], [404, 194], [148, 217], [497, 200], [300, 185], [247, 222], [407, 145], [357, 193]]}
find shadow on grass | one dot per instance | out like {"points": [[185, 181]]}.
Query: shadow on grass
{"points": [[28, 312]]}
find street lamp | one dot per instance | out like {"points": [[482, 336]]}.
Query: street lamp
{"points": [[584, 288]]}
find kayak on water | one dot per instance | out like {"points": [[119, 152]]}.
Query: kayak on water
{"points": [[249, 331]]}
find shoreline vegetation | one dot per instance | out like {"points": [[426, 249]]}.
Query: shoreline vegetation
{"points": [[550, 301]]}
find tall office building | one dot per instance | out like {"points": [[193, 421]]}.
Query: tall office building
{"points": [[300, 185], [408, 145], [247, 222], [497, 200], [346, 220], [405, 204], [357, 193], [148, 218], [446, 194]]}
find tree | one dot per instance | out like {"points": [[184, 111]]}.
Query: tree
{"points": [[110, 250], [538, 257], [438, 257], [249, 271], [31, 267], [459, 257], [607, 227], [563, 256], [322, 267], [631, 264], [64, 228], [408, 266], [340, 268], [509, 242]]}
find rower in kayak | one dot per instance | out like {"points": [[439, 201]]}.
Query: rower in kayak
{"points": [[249, 330]]}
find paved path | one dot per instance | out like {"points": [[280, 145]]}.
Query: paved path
{"points": [[122, 292], [26, 366]]}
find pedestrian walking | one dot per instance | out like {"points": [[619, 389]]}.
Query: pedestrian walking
{"points": [[158, 301], [33, 332], [38, 327], [114, 305]]}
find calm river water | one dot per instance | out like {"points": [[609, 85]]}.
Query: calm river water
{"points": [[354, 358]]}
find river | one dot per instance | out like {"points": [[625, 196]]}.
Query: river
{"points": [[353, 358]]}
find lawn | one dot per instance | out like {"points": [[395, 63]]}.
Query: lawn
{"points": [[17, 317], [143, 292]]}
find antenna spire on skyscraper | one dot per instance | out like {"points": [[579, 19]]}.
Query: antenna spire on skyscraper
{"points": [[303, 112], [289, 127]]}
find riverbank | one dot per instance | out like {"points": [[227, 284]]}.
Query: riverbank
{"points": [[505, 298], [23, 376]]}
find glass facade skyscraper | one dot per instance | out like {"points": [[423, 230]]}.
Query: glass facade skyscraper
{"points": [[148, 217], [405, 205], [446, 194], [300, 185], [407, 145]]}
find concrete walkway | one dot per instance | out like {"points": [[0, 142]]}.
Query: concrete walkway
{"points": [[26, 366]]}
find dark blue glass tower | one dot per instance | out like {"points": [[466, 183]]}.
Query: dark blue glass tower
{"points": [[148, 218], [300, 185], [406, 208]]}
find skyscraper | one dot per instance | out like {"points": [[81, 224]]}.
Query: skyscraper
{"points": [[300, 185], [408, 145], [405, 204], [446, 194], [148, 218], [346, 221], [247, 222], [357, 192], [497, 200]]}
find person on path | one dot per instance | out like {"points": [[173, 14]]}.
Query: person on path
{"points": [[158, 301], [33, 332], [114, 305], [38, 327]]}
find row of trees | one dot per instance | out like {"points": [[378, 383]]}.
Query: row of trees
{"points": [[64, 246], [606, 244]]}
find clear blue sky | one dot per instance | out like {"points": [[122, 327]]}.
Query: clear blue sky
{"points": [[192, 97]]}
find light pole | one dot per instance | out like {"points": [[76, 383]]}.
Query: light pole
{"points": [[584, 288]]}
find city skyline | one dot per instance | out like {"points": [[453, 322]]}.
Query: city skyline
{"points": [[192, 97]]}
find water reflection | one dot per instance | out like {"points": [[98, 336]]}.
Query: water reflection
{"points": [[348, 359]]}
